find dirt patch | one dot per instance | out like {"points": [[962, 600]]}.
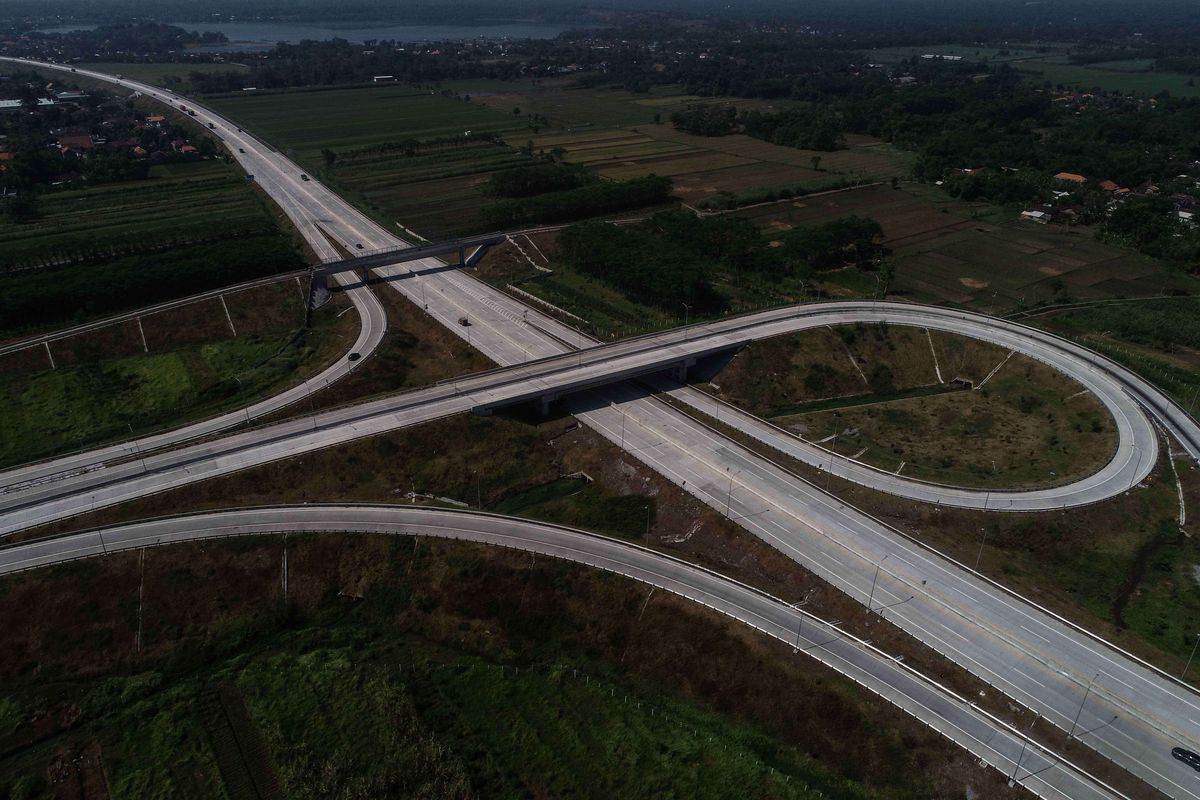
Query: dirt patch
{"points": [[973, 283]]}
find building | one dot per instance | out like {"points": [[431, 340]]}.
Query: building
{"points": [[75, 142], [1040, 217], [1070, 177]]}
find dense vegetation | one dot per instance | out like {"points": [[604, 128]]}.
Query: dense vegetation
{"points": [[849, 240], [58, 295], [675, 258], [592, 200], [535, 179]]}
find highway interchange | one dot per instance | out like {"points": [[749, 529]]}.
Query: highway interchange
{"points": [[1133, 713]]}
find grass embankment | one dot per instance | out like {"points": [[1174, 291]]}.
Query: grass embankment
{"points": [[427, 668], [96, 251], [105, 387], [852, 389], [1157, 338]]}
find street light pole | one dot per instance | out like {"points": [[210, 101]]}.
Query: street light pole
{"points": [[687, 313], [871, 599], [982, 542], [1071, 733], [1193, 655], [729, 496]]}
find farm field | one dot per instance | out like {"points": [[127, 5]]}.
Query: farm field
{"points": [[704, 167], [187, 203], [1049, 62], [188, 227], [1122, 76], [171, 75], [435, 189], [947, 251], [302, 123]]}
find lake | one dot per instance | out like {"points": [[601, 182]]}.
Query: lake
{"points": [[248, 36]]}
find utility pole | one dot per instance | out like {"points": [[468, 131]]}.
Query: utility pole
{"points": [[647, 525]]}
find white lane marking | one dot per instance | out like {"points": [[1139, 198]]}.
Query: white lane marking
{"points": [[1035, 633]]}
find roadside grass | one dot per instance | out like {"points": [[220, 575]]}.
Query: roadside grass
{"points": [[416, 351], [871, 392], [1156, 338], [96, 395], [468, 460], [606, 312], [456, 671]]}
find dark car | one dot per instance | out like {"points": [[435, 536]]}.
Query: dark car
{"points": [[358, 246], [1187, 757]]}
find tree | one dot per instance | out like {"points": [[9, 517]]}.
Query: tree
{"points": [[22, 208], [329, 156], [517, 111], [816, 162]]}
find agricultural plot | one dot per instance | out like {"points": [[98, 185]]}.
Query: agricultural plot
{"points": [[951, 252], [188, 227], [172, 76], [438, 191], [179, 204], [1013, 264], [303, 123], [704, 167], [1050, 63]]}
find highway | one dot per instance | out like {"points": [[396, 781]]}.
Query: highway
{"points": [[1045, 773], [1130, 712], [599, 365]]}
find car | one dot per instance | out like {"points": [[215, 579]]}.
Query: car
{"points": [[353, 357], [1187, 757], [241, 149], [358, 246], [303, 177], [466, 323]]}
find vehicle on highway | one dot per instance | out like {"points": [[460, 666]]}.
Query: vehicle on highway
{"points": [[358, 246], [1187, 757], [304, 177], [466, 323], [241, 149], [212, 127]]}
